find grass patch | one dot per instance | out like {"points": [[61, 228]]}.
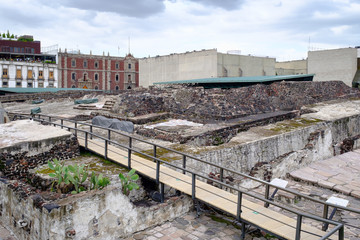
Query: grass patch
{"points": [[290, 125]]}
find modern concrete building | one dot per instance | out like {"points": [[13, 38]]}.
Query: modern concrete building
{"points": [[89, 71], [22, 65], [291, 67], [202, 64], [337, 64]]}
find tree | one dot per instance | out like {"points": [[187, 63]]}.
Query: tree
{"points": [[8, 34]]}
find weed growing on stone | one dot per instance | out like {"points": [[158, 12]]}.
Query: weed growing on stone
{"points": [[128, 181], [98, 182], [74, 176]]}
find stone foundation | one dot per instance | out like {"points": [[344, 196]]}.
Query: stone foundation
{"points": [[105, 214]]}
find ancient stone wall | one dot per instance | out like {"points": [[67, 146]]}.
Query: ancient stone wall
{"points": [[283, 152], [105, 214], [204, 105], [16, 161]]}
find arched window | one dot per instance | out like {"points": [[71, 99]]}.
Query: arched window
{"points": [[96, 87], [96, 77], [117, 88], [73, 86], [85, 76]]}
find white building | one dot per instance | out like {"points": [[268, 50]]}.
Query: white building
{"points": [[337, 64], [28, 74], [202, 64]]}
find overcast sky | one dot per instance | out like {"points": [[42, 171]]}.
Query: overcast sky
{"points": [[278, 28]]}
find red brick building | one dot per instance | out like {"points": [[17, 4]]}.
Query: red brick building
{"points": [[97, 72]]}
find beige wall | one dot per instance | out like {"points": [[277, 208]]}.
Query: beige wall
{"points": [[174, 67], [244, 66], [291, 67], [337, 64], [202, 64]]}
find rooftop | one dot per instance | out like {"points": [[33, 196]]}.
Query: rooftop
{"points": [[234, 82]]}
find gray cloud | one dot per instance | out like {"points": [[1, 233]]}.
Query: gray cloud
{"points": [[131, 8], [225, 4]]}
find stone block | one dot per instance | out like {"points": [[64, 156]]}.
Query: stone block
{"points": [[326, 184]]}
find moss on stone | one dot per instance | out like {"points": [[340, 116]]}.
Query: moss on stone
{"points": [[289, 125]]}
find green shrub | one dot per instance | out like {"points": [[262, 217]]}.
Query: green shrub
{"points": [[98, 182], [128, 182], [78, 177], [61, 173]]}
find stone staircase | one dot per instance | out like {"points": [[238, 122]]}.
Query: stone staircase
{"points": [[108, 105]]}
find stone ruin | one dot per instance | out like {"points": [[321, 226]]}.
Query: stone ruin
{"points": [[224, 112]]}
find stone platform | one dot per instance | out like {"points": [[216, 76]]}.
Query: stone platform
{"points": [[340, 173]]}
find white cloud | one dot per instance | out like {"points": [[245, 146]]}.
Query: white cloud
{"points": [[279, 28]]}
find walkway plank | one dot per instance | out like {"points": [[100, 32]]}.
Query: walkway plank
{"points": [[257, 214]]}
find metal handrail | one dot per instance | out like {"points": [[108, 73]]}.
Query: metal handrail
{"points": [[339, 226], [215, 165]]}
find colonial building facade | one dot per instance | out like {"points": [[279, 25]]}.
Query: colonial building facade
{"points": [[97, 72], [22, 65]]}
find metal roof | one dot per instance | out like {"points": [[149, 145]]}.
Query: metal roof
{"points": [[40, 90], [248, 80]]}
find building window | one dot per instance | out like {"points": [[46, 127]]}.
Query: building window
{"points": [[41, 74], [73, 76], [85, 76], [96, 87], [41, 85], [5, 73], [51, 75], [96, 77], [51, 84], [96, 65], [18, 74], [29, 85], [29, 74], [117, 65], [117, 88], [5, 84], [85, 63], [73, 86], [117, 77], [73, 63], [18, 84], [129, 65], [129, 78]]}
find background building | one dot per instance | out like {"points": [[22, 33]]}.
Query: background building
{"points": [[22, 64], [78, 70], [291, 67], [337, 64], [202, 64]]}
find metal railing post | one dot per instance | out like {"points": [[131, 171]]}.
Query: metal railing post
{"points": [[267, 192], [49, 119], [109, 134], [221, 177], [129, 152], [325, 216], [75, 128], [184, 163], [106, 148], [157, 172], [91, 131], [193, 186], [341, 232], [154, 152], [298, 227], [62, 123], [162, 192], [239, 203], [86, 140]]}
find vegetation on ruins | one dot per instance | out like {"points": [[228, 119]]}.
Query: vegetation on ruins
{"points": [[73, 177], [61, 173], [98, 182], [78, 177], [128, 182]]}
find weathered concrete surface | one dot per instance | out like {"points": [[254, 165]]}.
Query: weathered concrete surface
{"points": [[340, 173], [3, 115], [30, 136]]}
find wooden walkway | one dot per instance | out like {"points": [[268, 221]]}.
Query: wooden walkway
{"points": [[253, 213]]}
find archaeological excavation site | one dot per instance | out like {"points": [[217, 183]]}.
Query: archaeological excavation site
{"points": [[274, 161]]}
